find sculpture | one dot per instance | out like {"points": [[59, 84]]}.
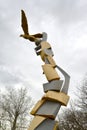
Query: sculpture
{"points": [[26, 34], [46, 109]]}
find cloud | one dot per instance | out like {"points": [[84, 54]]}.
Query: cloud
{"points": [[13, 78], [8, 77], [66, 12], [66, 25]]}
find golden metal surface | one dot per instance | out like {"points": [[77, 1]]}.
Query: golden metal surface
{"points": [[45, 45], [57, 96], [36, 121], [51, 61], [37, 106], [50, 72], [43, 55], [56, 126], [25, 27]]}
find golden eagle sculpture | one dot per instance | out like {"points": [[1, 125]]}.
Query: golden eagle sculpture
{"points": [[24, 25]]}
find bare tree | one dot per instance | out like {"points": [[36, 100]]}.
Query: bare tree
{"points": [[15, 106], [82, 96], [75, 117], [72, 119]]}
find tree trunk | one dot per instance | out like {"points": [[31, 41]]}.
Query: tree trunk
{"points": [[14, 123]]}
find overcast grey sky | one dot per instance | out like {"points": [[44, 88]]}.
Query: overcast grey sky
{"points": [[65, 22]]}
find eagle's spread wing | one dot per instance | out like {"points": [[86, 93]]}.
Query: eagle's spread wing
{"points": [[24, 23], [38, 35]]}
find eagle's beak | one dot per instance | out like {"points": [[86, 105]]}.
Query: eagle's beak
{"points": [[21, 35]]}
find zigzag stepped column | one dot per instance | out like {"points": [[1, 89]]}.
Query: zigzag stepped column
{"points": [[55, 90]]}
